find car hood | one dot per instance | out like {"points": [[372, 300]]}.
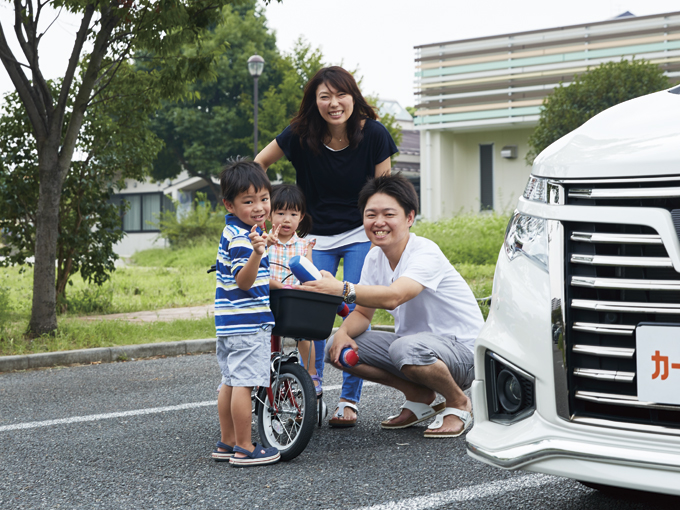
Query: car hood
{"points": [[640, 137]]}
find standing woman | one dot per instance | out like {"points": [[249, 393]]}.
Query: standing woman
{"points": [[335, 144]]}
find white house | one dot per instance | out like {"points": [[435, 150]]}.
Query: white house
{"points": [[147, 200], [479, 100]]}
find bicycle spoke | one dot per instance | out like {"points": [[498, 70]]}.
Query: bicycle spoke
{"points": [[284, 420]]}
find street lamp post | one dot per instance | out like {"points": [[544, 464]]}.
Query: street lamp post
{"points": [[255, 67]]}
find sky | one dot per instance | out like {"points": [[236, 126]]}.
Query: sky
{"points": [[377, 37]]}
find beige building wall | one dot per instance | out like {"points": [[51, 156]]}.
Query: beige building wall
{"points": [[450, 171]]}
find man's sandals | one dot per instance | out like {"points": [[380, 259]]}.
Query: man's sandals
{"points": [[464, 416], [337, 419], [422, 412]]}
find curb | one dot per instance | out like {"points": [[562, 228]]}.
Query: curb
{"points": [[118, 353], [105, 354]]}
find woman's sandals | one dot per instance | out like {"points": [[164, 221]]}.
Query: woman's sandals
{"points": [[337, 419], [464, 416], [421, 412]]}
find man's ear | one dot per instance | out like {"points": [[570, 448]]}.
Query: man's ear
{"points": [[228, 205], [410, 218]]}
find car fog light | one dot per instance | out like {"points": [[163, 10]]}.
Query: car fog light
{"points": [[510, 391]]}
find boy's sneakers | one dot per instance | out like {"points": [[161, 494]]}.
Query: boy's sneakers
{"points": [[258, 457], [219, 456]]}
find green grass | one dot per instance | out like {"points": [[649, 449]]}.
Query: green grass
{"points": [[194, 257], [80, 334], [169, 278], [467, 238]]}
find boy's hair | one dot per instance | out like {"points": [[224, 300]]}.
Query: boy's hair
{"points": [[395, 186], [290, 196], [239, 175]]}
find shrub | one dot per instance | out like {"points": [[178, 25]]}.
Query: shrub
{"points": [[590, 93], [467, 238], [202, 223]]}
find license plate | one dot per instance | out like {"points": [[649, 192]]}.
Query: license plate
{"points": [[658, 363]]}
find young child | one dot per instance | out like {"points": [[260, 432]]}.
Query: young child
{"points": [[290, 219], [242, 316]]}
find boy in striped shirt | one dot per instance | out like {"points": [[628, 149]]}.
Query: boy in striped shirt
{"points": [[242, 316]]}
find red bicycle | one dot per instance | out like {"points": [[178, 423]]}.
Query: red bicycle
{"points": [[289, 407]]}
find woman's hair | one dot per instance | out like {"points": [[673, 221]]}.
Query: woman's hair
{"points": [[308, 123], [290, 197]]}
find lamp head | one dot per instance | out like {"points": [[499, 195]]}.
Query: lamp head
{"points": [[255, 65]]}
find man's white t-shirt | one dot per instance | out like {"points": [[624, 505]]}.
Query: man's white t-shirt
{"points": [[445, 307]]}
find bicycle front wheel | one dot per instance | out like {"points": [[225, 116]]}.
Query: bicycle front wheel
{"points": [[288, 423]]}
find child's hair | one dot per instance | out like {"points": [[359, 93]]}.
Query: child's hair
{"points": [[290, 196], [239, 175]]}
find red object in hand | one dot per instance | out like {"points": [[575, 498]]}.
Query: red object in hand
{"points": [[343, 310], [348, 357]]}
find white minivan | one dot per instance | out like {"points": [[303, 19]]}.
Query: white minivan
{"points": [[578, 364]]}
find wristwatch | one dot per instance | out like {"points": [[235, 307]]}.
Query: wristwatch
{"points": [[350, 294]]}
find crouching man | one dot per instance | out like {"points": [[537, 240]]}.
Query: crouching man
{"points": [[435, 314]]}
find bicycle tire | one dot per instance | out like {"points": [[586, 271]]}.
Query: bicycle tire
{"points": [[292, 434]]}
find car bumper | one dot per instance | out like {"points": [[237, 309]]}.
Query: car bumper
{"points": [[519, 329]]}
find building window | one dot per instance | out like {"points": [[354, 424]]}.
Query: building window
{"points": [[143, 211], [486, 176]]}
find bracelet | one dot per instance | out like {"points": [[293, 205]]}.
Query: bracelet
{"points": [[345, 290]]}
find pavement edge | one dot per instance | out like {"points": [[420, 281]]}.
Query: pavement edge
{"points": [[105, 354], [117, 353]]}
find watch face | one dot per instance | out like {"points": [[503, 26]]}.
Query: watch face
{"points": [[351, 295]]}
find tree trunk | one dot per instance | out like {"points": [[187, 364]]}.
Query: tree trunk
{"points": [[44, 310]]}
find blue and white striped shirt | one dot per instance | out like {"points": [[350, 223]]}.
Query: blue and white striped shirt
{"points": [[239, 311]]}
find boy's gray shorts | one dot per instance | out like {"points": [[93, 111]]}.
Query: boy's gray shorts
{"points": [[388, 351], [244, 359]]}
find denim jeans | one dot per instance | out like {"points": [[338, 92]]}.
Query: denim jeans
{"points": [[328, 260]]}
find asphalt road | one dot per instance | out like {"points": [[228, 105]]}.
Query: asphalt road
{"points": [[162, 459]]}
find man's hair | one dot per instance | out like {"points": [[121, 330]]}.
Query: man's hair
{"points": [[395, 186], [239, 175]]}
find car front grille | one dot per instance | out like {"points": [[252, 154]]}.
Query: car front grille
{"points": [[616, 276]]}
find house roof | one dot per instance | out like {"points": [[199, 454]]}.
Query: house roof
{"points": [[619, 19], [190, 184]]}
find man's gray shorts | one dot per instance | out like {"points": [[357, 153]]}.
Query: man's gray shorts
{"points": [[388, 351], [244, 359]]}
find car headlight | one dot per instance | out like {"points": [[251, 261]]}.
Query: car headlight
{"points": [[536, 189], [527, 235]]}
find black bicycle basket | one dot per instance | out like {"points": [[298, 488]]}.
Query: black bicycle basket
{"points": [[303, 314]]}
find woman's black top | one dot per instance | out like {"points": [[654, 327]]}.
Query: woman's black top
{"points": [[331, 180]]}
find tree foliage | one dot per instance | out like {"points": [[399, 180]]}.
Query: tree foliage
{"points": [[114, 143], [116, 31], [570, 106], [214, 121]]}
